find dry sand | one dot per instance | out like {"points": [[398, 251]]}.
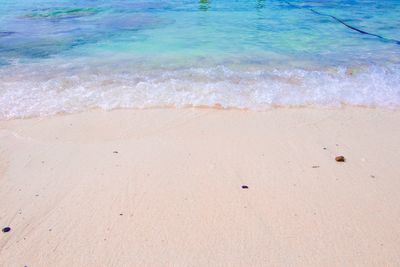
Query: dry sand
{"points": [[164, 188]]}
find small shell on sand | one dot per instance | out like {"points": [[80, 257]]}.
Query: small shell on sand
{"points": [[340, 159]]}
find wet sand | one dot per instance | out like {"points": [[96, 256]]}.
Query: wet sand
{"points": [[201, 187]]}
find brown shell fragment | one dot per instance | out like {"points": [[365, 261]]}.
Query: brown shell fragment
{"points": [[340, 159]]}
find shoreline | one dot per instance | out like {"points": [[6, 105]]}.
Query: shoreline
{"points": [[216, 107], [160, 187]]}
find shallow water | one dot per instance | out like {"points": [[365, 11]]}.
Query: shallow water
{"points": [[67, 56]]}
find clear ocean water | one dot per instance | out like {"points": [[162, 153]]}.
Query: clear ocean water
{"points": [[69, 56]]}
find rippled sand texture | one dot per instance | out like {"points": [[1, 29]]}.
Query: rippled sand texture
{"points": [[164, 188]]}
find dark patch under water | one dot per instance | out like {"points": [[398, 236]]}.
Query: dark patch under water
{"points": [[57, 30], [5, 34], [63, 12]]}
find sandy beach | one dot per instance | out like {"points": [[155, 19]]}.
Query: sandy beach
{"points": [[164, 187]]}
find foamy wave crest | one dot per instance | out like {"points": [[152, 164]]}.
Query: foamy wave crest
{"points": [[27, 91]]}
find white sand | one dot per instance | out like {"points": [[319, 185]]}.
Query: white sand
{"points": [[177, 181]]}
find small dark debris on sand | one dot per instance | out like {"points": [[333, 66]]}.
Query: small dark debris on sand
{"points": [[115, 152], [340, 159], [245, 187], [121, 214], [6, 229], [315, 167], [372, 176]]}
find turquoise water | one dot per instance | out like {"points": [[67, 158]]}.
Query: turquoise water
{"points": [[68, 56]]}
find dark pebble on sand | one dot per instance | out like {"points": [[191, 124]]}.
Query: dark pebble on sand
{"points": [[115, 152], [6, 229], [340, 159], [245, 187], [121, 214], [315, 166]]}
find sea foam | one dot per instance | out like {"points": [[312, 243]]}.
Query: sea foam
{"points": [[38, 90]]}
